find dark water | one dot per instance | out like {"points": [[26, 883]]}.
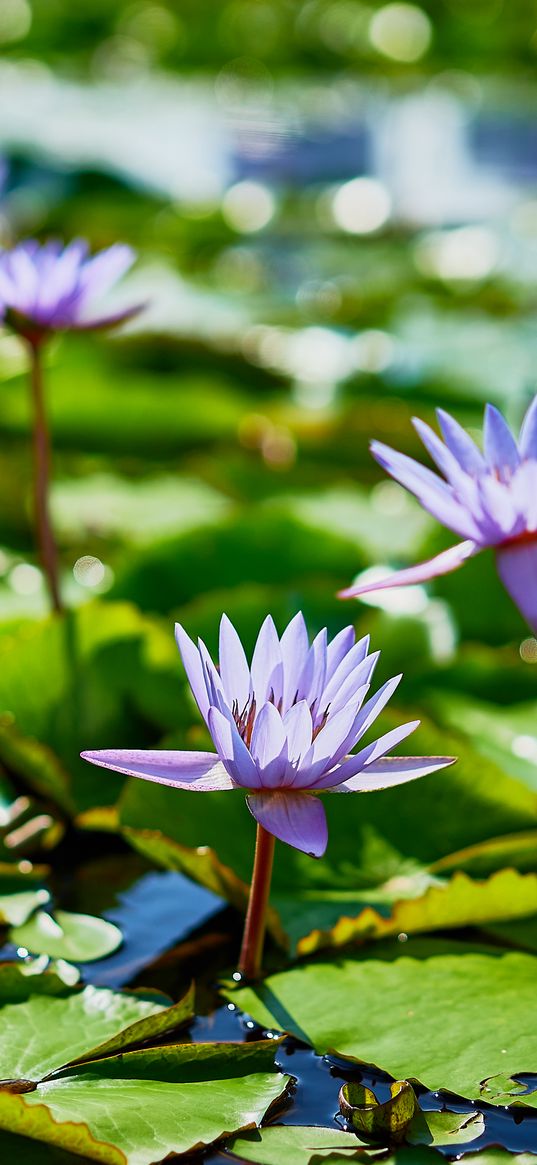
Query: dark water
{"points": [[313, 1097]]}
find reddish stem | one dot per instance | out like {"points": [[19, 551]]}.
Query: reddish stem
{"points": [[41, 450], [256, 916]]}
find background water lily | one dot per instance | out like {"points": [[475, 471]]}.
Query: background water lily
{"points": [[283, 727], [47, 288], [489, 497]]}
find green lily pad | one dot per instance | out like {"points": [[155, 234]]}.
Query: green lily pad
{"points": [[128, 1108], [460, 902], [134, 1107], [449, 1016], [309, 1145], [46, 1025], [296, 1145], [21, 892], [80, 938]]}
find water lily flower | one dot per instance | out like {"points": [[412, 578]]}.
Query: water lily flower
{"points": [[488, 497], [283, 727], [47, 288]]}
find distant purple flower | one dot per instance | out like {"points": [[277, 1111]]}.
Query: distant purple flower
{"points": [[46, 287], [489, 498], [283, 729]]}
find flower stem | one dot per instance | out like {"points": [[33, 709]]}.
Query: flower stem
{"points": [[256, 916], [41, 449]]}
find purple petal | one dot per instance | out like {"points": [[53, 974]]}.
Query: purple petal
{"points": [[392, 770], [337, 697], [234, 670], [527, 441], [370, 711], [298, 727], [443, 563], [431, 491], [340, 646], [502, 520], [109, 320], [269, 746], [372, 752], [501, 449], [524, 491], [213, 683], [313, 675], [101, 272], [441, 455], [233, 751], [331, 739], [461, 445], [193, 668], [294, 647], [199, 772], [267, 667], [517, 567], [295, 818]]}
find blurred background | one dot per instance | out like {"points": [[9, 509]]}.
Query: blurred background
{"points": [[334, 205]]}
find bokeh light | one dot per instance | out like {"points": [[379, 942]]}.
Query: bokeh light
{"points": [[402, 32], [361, 206], [247, 207]]}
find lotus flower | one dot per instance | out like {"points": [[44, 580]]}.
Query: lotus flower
{"points": [[46, 288], [489, 498], [283, 728]]}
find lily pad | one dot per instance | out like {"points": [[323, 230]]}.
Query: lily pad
{"points": [[21, 892], [138, 1107], [80, 938], [296, 1145], [46, 1025], [448, 1015], [460, 902]]}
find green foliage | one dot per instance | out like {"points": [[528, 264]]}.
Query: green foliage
{"points": [[448, 1016]]}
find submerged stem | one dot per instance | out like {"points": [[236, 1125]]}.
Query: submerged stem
{"points": [[41, 449], [256, 916]]}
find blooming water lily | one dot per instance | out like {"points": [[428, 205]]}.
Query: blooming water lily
{"points": [[47, 288], [489, 498], [283, 727]]}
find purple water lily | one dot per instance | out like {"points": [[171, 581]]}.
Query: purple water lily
{"points": [[283, 728], [489, 498], [46, 287]]}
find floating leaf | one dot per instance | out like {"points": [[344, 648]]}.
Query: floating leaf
{"points": [[73, 1024], [309, 1145], [140, 1107], [448, 1015], [21, 892], [460, 902], [79, 938], [296, 1145]]}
